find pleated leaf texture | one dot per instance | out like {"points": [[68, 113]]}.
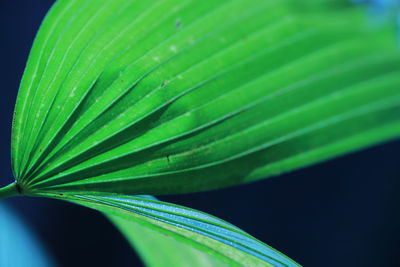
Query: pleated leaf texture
{"points": [[165, 234], [125, 97], [157, 97]]}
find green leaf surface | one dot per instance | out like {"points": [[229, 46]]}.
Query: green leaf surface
{"points": [[170, 235], [160, 97]]}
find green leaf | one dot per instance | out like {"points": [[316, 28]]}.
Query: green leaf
{"points": [[170, 235], [159, 97]]}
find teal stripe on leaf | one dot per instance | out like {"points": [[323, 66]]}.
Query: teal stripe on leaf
{"points": [[229, 245]]}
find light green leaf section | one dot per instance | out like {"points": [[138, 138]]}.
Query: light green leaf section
{"points": [[160, 249], [159, 97], [170, 235]]}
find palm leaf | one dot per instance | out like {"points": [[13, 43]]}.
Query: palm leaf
{"points": [[179, 96], [159, 97], [170, 235]]}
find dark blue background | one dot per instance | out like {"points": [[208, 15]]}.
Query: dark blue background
{"points": [[341, 213]]}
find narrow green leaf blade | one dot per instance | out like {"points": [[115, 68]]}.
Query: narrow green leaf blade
{"points": [[189, 236], [158, 249]]}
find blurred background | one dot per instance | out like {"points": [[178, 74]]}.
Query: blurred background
{"points": [[345, 212]]}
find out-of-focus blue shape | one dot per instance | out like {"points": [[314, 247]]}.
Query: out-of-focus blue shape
{"points": [[386, 8], [18, 246], [384, 11], [379, 5]]}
